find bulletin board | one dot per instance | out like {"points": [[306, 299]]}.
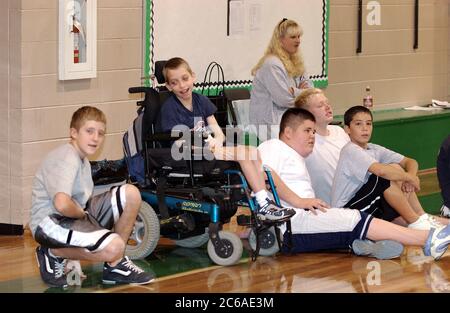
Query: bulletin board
{"points": [[234, 33]]}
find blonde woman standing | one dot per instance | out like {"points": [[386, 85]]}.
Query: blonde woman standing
{"points": [[279, 77]]}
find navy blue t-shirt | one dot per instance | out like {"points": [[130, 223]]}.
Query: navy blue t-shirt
{"points": [[174, 113]]}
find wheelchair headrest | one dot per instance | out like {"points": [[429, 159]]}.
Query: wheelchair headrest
{"points": [[159, 66]]}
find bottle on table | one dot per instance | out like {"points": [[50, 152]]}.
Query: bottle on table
{"points": [[368, 99]]}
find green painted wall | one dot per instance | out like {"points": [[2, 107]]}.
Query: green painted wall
{"points": [[416, 134]]}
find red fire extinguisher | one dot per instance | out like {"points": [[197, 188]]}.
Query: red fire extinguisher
{"points": [[76, 44]]}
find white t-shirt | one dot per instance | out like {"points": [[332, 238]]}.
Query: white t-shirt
{"points": [[289, 165], [352, 171], [322, 162]]}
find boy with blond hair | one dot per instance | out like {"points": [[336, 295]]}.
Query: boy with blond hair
{"points": [[329, 140], [69, 223]]}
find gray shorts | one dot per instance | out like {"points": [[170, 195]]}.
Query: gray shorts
{"points": [[92, 232]]}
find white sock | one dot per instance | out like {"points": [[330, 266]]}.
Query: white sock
{"points": [[261, 197]]}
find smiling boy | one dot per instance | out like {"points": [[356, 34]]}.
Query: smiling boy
{"points": [[70, 224]]}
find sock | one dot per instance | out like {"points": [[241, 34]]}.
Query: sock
{"points": [[261, 197]]}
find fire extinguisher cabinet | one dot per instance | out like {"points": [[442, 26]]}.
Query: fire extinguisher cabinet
{"points": [[77, 39]]}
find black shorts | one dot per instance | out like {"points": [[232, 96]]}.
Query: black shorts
{"points": [[370, 199], [92, 232]]}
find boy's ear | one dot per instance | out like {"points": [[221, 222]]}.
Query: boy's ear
{"points": [[347, 129], [73, 133], [288, 132]]}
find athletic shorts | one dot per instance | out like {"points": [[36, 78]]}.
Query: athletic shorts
{"points": [[334, 229], [370, 199], [92, 232]]}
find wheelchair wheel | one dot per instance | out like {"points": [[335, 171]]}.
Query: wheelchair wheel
{"points": [[231, 252], [194, 241], [145, 234], [268, 244]]}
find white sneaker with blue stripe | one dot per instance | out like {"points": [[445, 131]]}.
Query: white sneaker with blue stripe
{"points": [[437, 242]]}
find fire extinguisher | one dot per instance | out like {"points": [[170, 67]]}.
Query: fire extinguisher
{"points": [[76, 44]]}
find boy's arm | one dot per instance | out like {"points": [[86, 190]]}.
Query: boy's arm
{"points": [[391, 173], [287, 195], [410, 166], [66, 206], [219, 137]]}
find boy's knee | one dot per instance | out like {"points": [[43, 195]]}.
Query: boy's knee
{"points": [[132, 194], [114, 250]]}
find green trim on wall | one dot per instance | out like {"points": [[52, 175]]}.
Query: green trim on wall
{"points": [[147, 39], [327, 32]]}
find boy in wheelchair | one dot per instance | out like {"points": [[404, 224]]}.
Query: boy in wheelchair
{"points": [[194, 111]]}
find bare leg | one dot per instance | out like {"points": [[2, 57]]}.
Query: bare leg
{"points": [[395, 197], [415, 204], [252, 169], [382, 230], [112, 253], [126, 221]]}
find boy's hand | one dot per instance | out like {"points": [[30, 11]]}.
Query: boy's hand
{"points": [[413, 180], [213, 143], [408, 188], [314, 204]]}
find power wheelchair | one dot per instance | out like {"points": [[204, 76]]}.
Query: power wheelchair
{"points": [[189, 200]]}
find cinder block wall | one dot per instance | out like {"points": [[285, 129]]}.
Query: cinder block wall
{"points": [[35, 107], [39, 106], [398, 75]]}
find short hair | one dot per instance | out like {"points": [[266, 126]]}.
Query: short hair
{"points": [[175, 63], [293, 117], [302, 100], [86, 113], [350, 113]]}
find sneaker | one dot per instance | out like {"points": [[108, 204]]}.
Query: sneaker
{"points": [[382, 249], [425, 222], [434, 221], [437, 242], [445, 212], [272, 211], [126, 272], [51, 268]]}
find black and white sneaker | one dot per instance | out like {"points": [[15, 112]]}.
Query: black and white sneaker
{"points": [[272, 211], [51, 268], [125, 272]]}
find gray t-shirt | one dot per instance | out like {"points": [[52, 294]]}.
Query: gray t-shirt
{"points": [[270, 96], [352, 171], [61, 171]]}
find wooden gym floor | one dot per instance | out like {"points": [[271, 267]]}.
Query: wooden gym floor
{"points": [[181, 270]]}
